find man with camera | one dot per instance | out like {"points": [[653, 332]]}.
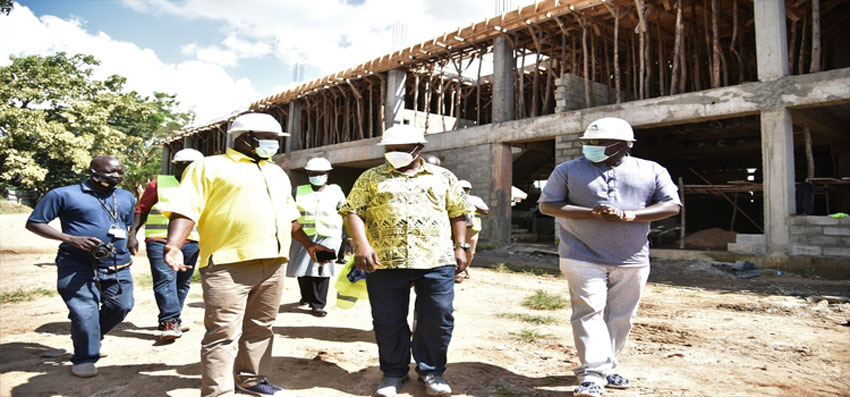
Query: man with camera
{"points": [[94, 258], [169, 287], [242, 205]]}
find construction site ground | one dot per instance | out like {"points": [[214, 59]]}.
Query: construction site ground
{"points": [[699, 332]]}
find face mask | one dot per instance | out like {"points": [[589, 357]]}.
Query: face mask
{"points": [[266, 147], [108, 182], [399, 159], [596, 154], [320, 180]]}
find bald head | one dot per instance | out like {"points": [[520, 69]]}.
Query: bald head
{"points": [[106, 172]]}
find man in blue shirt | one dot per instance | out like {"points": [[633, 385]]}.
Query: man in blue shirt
{"points": [[604, 203], [93, 260]]}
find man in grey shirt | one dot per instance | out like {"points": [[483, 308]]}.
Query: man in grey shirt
{"points": [[604, 203]]}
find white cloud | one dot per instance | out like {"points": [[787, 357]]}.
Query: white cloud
{"points": [[328, 35], [200, 85]]}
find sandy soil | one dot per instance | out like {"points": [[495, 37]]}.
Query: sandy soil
{"points": [[699, 332]]}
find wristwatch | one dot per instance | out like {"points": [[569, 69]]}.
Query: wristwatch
{"points": [[465, 246], [629, 216]]}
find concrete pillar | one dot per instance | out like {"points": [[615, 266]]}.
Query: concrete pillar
{"points": [[229, 140], [188, 143], [777, 148], [396, 87], [166, 160], [777, 137], [293, 127], [504, 68], [771, 42], [498, 228]]}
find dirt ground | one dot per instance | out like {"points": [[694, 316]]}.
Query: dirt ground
{"points": [[699, 332]]}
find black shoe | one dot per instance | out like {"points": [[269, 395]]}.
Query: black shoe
{"points": [[318, 312]]}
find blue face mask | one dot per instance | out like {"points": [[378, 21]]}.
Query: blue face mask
{"points": [[596, 154], [266, 147]]}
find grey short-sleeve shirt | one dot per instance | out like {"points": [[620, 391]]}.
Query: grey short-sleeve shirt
{"points": [[630, 185]]}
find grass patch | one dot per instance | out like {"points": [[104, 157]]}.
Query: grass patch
{"points": [[8, 207], [502, 268], [530, 336], [529, 318], [542, 300], [25, 295]]}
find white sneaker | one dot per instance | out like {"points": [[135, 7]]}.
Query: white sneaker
{"points": [[84, 370], [435, 385], [171, 332], [389, 386]]}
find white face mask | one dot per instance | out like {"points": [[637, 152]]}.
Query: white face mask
{"points": [[399, 159], [319, 180]]}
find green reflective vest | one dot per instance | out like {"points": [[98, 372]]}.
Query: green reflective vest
{"points": [[318, 211], [476, 222], [157, 224]]}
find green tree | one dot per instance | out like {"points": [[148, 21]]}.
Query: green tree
{"points": [[54, 117], [6, 6]]}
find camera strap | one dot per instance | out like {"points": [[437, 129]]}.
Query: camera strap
{"points": [[96, 268]]}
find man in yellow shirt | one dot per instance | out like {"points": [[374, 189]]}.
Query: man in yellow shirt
{"points": [[245, 215], [407, 221]]}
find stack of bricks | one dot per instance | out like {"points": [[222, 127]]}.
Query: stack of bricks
{"points": [[569, 93], [820, 236]]}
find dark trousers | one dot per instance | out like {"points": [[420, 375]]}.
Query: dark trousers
{"points": [[169, 287], [314, 290], [93, 314], [389, 296]]}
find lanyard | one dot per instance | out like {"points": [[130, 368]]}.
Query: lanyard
{"points": [[112, 215]]}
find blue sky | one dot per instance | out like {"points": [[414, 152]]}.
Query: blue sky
{"points": [[218, 56]]}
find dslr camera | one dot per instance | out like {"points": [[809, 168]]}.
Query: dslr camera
{"points": [[102, 250]]}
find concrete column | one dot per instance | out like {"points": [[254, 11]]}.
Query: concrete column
{"points": [[504, 68], [166, 160], [230, 140], [771, 42], [777, 148], [188, 143], [396, 87], [777, 137], [498, 228], [293, 127]]}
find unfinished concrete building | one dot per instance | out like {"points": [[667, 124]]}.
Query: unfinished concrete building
{"points": [[745, 102]]}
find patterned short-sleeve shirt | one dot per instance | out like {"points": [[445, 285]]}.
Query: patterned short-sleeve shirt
{"points": [[407, 216]]}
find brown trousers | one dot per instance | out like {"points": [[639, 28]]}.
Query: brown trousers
{"points": [[241, 303]]}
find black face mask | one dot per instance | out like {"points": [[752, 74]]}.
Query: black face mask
{"points": [[108, 182]]}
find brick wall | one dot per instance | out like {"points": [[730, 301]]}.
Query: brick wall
{"points": [[569, 93], [567, 147], [820, 236]]}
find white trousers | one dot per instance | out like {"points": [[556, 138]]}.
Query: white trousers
{"points": [[604, 302]]}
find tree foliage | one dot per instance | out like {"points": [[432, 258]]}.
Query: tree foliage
{"points": [[6, 6], [55, 117]]}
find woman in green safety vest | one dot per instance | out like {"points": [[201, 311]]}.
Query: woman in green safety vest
{"points": [[318, 202], [477, 207]]}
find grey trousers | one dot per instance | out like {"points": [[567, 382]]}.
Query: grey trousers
{"points": [[604, 302]]}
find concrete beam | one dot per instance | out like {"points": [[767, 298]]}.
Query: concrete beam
{"points": [[396, 87], [504, 65], [818, 89]]}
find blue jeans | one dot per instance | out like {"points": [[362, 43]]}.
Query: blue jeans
{"points": [[169, 287], [389, 295], [92, 315]]}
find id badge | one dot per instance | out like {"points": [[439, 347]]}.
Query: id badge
{"points": [[117, 232]]}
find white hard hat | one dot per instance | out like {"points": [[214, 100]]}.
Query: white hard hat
{"points": [[463, 183], [257, 122], [188, 155], [318, 164], [610, 128], [402, 134]]}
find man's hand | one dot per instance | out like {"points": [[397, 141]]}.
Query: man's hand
{"points": [[174, 258], [366, 259], [84, 243], [460, 257], [312, 249], [609, 213], [132, 244]]}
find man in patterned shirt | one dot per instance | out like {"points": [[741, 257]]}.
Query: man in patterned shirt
{"points": [[407, 221]]}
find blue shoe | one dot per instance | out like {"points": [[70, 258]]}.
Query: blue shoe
{"points": [[588, 389], [263, 389], [615, 381]]}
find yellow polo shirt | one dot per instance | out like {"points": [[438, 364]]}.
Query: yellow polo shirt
{"points": [[407, 216], [243, 209]]}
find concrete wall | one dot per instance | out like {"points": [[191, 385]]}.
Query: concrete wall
{"points": [[820, 236]]}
